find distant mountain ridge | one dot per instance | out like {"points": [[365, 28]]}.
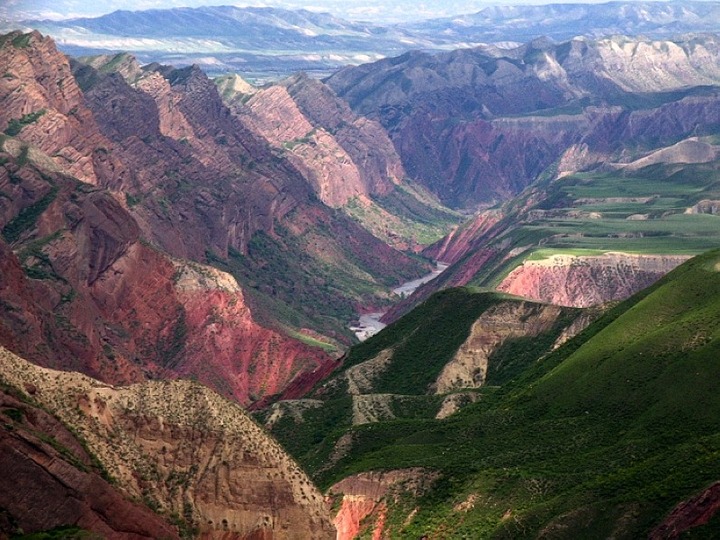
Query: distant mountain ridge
{"points": [[564, 21], [273, 41], [478, 125]]}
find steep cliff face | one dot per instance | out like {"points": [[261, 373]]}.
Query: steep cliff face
{"points": [[364, 498], [206, 185], [582, 281], [49, 480], [40, 101], [348, 160], [81, 291], [365, 140], [184, 449], [329, 168]]}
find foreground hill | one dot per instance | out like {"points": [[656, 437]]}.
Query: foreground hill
{"points": [[603, 436], [78, 451]]}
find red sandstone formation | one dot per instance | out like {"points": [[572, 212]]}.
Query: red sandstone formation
{"points": [[587, 281], [689, 514]]}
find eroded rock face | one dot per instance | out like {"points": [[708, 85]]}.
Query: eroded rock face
{"points": [[84, 293], [47, 480], [694, 512], [364, 495], [468, 368], [326, 165], [93, 278], [39, 94], [464, 239], [343, 156], [587, 281], [187, 450]]}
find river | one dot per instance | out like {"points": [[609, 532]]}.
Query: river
{"points": [[369, 324]]}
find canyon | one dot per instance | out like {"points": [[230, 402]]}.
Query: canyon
{"points": [[116, 271], [177, 247]]}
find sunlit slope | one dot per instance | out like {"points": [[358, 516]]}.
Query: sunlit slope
{"points": [[602, 437]]}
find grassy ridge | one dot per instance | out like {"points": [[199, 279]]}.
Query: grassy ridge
{"points": [[602, 437], [425, 340]]}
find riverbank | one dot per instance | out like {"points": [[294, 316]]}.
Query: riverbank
{"points": [[369, 324]]}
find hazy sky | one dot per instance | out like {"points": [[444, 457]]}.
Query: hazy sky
{"points": [[375, 10]]}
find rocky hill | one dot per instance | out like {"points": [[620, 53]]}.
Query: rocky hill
{"points": [[476, 126], [348, 160], [191, 456]]}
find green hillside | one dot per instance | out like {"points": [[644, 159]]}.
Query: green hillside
{"points": [[601, 438]]}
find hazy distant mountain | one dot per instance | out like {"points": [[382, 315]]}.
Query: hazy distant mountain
{"points": [[225, 37], [565, 21], [273, 42]]}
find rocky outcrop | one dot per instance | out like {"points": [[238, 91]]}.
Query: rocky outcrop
{"points": [[705, 207], [687, 151], [343, 156], [469, 366], [363, 499], [40, 102], [689, 514], [185, 450], [582, 281]]}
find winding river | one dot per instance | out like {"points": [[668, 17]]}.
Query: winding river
{"points": [[369, 324]]}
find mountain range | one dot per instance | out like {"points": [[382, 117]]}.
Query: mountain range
{"points": [[268, 43], [174, 248]]}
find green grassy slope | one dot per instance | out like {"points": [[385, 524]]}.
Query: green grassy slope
{"points": [[602, 437], [421, 344], [408, 214]]}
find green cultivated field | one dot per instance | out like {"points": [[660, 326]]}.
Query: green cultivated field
{"points": [[642, 211]]}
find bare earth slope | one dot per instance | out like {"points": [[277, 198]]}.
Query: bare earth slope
{"points": [[185, 450]]}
